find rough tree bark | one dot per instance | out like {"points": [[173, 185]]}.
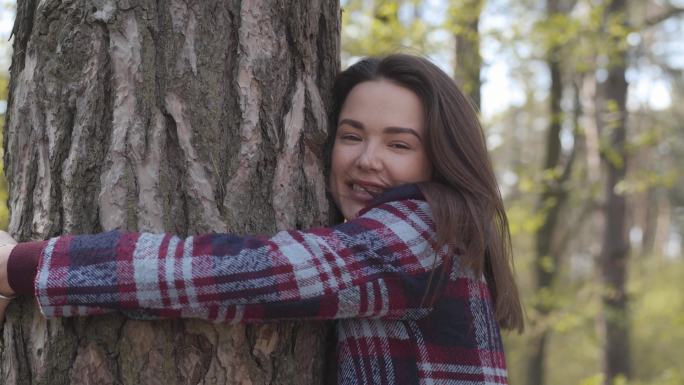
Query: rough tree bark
{"points": [[183, 117]]}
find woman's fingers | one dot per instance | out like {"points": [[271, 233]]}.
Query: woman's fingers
{"points": [[6, 245], [6, 239]]}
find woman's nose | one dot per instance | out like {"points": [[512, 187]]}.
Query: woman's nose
{"points": [[370, 158]]}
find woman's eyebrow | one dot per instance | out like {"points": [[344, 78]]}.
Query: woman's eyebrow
{"points": [[387, 130], [351, 122], [402, 130]]}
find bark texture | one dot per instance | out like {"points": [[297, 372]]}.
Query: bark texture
{"points": [[166, 116]]}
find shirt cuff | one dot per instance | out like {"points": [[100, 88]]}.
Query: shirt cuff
{"points": [[22, 266]]}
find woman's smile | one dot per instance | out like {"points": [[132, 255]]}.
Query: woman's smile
{"points": [[363, 192]]}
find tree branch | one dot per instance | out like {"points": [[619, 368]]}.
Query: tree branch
{"points": [[662, 16]]}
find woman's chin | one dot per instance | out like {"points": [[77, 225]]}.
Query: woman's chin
{"points": [[351, 211]]}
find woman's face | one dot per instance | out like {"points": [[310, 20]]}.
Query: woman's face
{"points": [[380, 143]]}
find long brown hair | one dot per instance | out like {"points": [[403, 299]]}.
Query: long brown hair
{"points": [[463, 193]]}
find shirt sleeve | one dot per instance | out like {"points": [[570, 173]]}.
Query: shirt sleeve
{"points": [[22, 265], [377, 265]]}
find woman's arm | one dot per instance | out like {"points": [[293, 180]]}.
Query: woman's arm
{"points": [[377, 265]]}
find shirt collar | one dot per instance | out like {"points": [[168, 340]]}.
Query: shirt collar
{"points": [[403, 192]]}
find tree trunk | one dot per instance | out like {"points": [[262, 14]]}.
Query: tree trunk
{"points": [[615, 245], [551, 202], [466, 20], [652, 205], [183, 117]]}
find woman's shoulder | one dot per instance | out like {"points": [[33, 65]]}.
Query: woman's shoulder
{"points": [[399, 219], [401, 209]]}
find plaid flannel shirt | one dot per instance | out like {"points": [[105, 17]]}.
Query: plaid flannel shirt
{"points": [[371, 274]]}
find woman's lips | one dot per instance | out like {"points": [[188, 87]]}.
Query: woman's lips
{"points": [[364, 192]]}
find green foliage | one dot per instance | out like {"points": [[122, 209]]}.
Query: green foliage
{"points": [[658, 320], [522, 221], [612, 155], [462, 13], [380, 27], [556, 31], [6, 6], [655, 152], [574, 349]]}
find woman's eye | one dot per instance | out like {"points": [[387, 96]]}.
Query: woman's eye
{"points": [[400, 146], [350, 137]]}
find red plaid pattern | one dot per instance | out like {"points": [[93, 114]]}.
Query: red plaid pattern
{"points": [[370, 274]]}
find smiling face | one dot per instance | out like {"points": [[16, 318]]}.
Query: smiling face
{"points": [[379, 144]]}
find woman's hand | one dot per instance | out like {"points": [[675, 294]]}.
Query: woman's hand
{"points": [[7, 243]]}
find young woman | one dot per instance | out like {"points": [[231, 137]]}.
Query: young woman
{"points": [[419, 276]]}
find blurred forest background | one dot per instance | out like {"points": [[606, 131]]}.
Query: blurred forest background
{"points": [[578, 101]]}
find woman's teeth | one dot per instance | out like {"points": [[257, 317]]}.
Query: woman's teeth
{"points": [[372, 191]]}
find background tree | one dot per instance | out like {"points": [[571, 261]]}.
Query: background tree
{"points": [[556, 171], [613, 257], [465, 20], [174, 117], [516, 140]]}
